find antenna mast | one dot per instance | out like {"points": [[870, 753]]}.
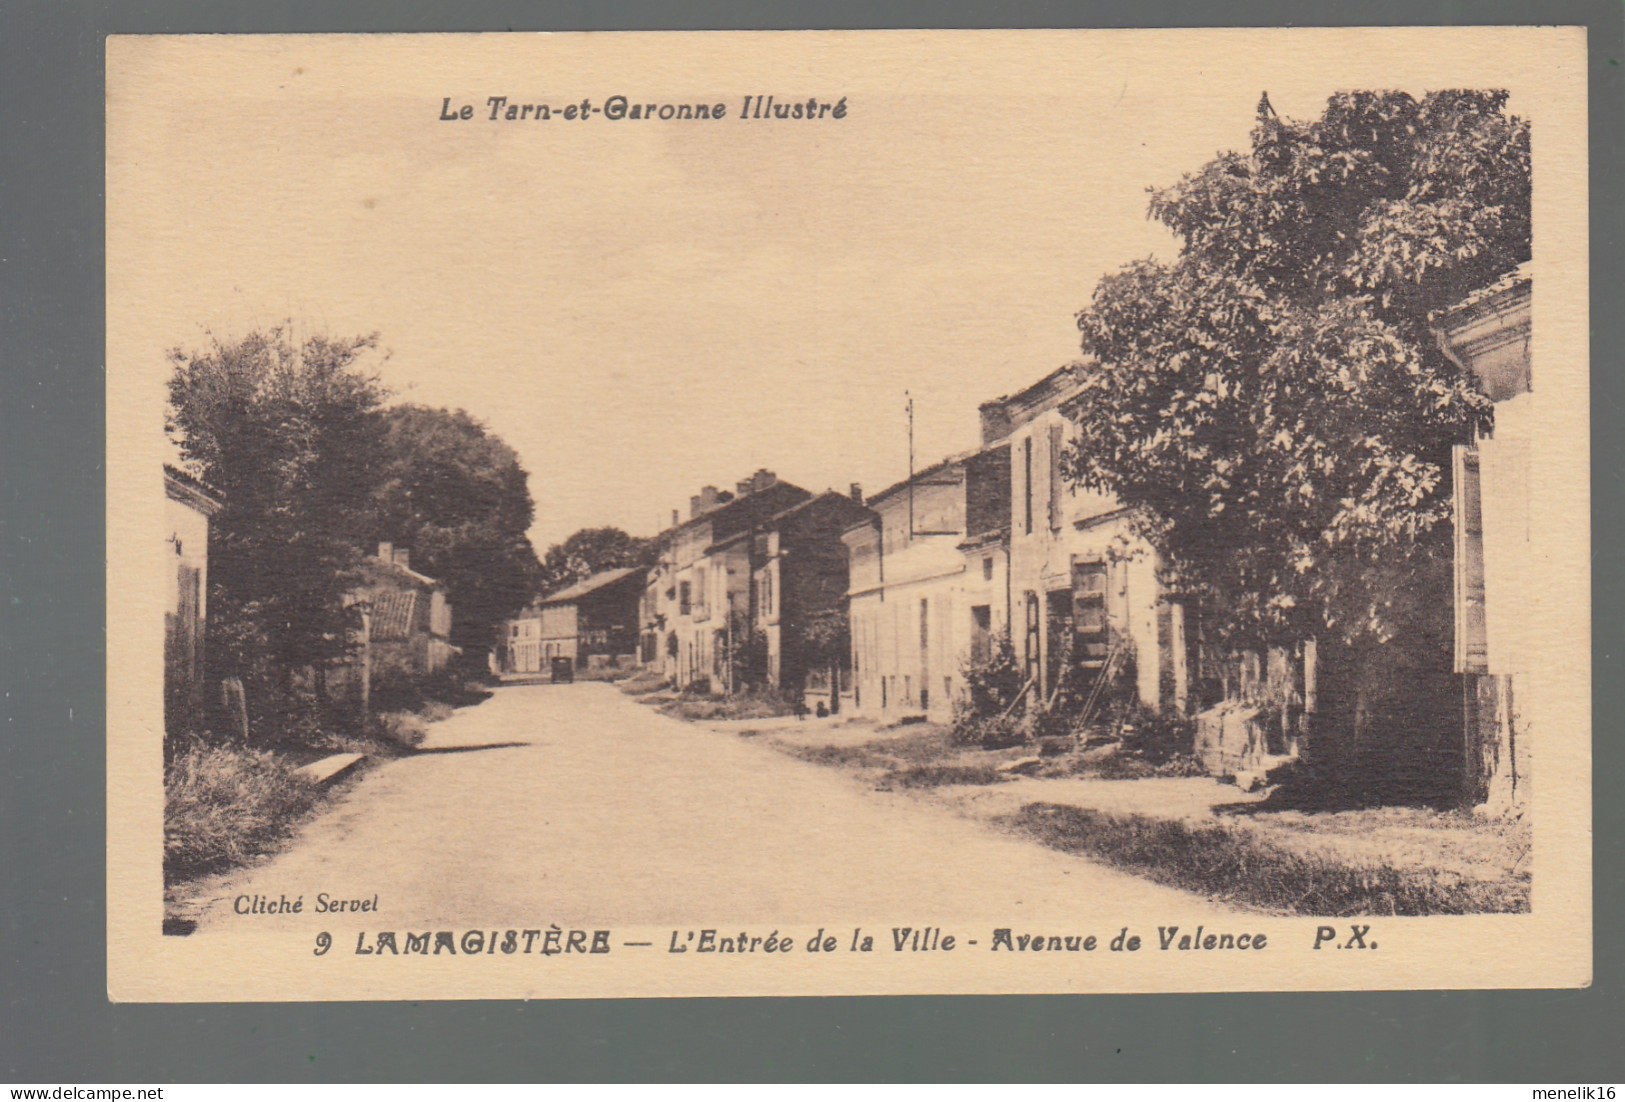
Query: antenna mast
{"points": [[910, 398]]}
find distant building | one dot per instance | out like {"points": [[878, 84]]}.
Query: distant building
{"points": [[797, 603], [408, 618], [697, 610], [928, 586], [592, 622], [1488, 334], [188, 505]]}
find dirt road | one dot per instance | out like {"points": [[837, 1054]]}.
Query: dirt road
{"points": [[576, 804]]}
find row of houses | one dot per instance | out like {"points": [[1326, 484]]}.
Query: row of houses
{"points": [[998, 544], [912, 585], [879, 606]]}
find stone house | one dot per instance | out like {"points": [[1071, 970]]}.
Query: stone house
{"points": [[797, 602], [521, 647], [189, 503], [594, 622], [1085, 588], [697, 606], [406, 617], [1488, 334], [929, 586]]}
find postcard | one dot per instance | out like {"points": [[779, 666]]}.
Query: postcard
{"points": [[847, 512]]}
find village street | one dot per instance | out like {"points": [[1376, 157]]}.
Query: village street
{"points": [[574, 804]]}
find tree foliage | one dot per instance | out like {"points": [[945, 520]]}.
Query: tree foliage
{"points": [[457, 496], [289, 436], [590, 550], [1272, 401], [315, 471]]}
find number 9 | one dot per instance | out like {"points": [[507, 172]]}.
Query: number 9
{"points": [[324, 942]]}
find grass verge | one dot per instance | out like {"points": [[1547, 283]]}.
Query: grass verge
{"points": [[758, 705], [935, 776], [1228, 861], [224, 805]]}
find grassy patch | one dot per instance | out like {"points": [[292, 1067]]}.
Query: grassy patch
{"points": [[606, 673], [935, 776], [1116, 765], [1230, 861], [224, 805], [644, 681], [762, 705], [916, 756]]}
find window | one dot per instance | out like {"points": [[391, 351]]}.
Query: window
{"points": [[987, 568], [1027, 483], [981, 634], [684, 599], [1472, 638], [767, 592]]}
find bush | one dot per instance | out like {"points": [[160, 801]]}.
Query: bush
{"points": [[402, 729], [988, 732], [399, 691], [992, 686], [1157, 736], [224, 805]]}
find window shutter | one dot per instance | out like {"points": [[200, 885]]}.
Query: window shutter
{"points": [[1056, 444], [1472, 649]]}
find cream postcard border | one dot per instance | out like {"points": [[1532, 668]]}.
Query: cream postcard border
{"points": [[1550, 947]]}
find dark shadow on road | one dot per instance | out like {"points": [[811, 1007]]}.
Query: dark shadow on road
{"points": [[464, 749]]}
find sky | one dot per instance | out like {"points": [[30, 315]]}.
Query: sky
{"points": [[640, 308]]}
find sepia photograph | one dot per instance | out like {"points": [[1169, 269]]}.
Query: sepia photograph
{"points": [[861, 512]]}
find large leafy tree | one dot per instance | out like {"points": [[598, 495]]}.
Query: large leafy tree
{"points": [[590, 550], [289, 433], [457, 496], [1271, 401]]}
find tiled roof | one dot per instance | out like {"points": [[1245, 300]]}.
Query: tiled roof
{"points": [[730, 510], [785, 514], [923, 476], [596, 582], [392, 611]]}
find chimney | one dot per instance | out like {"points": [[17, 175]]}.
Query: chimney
{"points": [[745, 487], [674, 518], [762, 479], [857, 492], [386, 551], [995, 422], [403, 557], [702, 502]]}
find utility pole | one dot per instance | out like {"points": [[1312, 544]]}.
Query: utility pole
{"points": [[910, 398]]}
